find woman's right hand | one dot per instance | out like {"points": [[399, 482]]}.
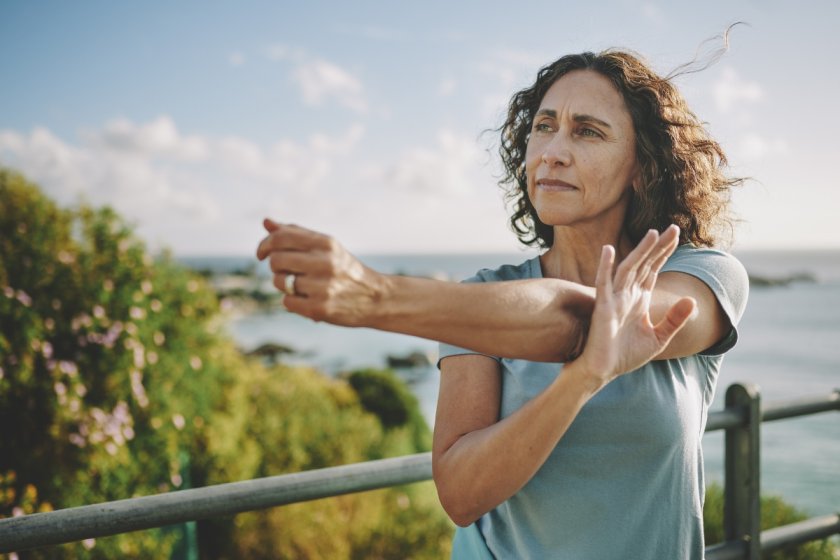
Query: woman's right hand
{"points": [[621, 335], [329, 283]]}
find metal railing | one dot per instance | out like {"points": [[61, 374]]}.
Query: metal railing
{"points": [[741, 419]]}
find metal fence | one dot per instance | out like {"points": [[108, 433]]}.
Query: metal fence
{"points": [[741, 419]]}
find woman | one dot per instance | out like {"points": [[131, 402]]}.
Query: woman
{"points": [[598, 456]]}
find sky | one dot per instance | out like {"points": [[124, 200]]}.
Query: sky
{"points": [[368, 120]]}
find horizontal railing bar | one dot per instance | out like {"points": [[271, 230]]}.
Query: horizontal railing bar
{"points": [[122, 516], [800, 407], [812, 529], [776, 410], [733, 550], [725, 419], [777, 538]]}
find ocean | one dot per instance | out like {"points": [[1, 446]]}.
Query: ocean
{"points": [[789, 346]]}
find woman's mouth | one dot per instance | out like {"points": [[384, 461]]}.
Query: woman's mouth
{"points": [[554, 185]]}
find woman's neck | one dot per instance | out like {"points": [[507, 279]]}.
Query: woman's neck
{"points": [[576, 252]]}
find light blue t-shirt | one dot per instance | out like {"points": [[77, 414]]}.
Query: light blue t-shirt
{"points": [[626, 480]]}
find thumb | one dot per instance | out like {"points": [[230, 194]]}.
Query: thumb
{"points": [[270, 225], [675, 319]]}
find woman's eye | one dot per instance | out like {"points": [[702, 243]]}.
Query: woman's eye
{"points": [[542, 127], [591, 132]]}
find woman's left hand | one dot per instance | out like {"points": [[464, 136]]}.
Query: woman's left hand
{"points": [[320, 278], [621, 336]]}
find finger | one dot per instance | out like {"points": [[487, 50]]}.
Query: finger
{"points": [[666, 246], [675, 319], [299, 262], [264, 246], [603, 278], [304, 306], [286, 237], [270, 225], [668, 241], [626, 272], [279, 280]]}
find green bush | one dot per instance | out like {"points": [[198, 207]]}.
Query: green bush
{"points": [[320, 423], [116, 380], [775, 512], [108, 368], [382, 393]]}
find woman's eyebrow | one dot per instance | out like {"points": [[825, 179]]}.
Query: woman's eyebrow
{"points": [[583, 118], [577, 117]]}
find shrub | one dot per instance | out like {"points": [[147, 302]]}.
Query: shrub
{"points": [[775, 512]]}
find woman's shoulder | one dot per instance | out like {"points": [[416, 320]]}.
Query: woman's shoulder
{"points": [[714, 261], [718, 269], [527, 269]]}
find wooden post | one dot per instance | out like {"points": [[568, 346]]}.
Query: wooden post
{"points": [[742, 498]]}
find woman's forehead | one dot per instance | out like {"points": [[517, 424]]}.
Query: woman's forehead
{"points": [[586, 91]]}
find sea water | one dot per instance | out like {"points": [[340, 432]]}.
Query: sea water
{"points": [[789, 346]]}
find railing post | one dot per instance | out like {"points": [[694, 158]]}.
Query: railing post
{"points": [[742, 492]]}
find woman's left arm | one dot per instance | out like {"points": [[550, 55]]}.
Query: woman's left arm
{"points": [[540, 320]]}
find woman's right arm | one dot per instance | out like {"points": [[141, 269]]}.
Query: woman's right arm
{"points": [[479, 461]]}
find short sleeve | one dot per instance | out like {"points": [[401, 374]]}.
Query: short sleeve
{"points": [[528, 269], [724, 275], [446, 350]]}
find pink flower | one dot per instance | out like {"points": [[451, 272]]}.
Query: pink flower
{"points": [[195, 363], [24, 298]]}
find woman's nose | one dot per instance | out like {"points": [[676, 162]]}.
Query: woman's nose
{"points": [[557, 152]]}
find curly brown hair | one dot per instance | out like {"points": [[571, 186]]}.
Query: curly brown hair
{"points": [[681, 166]]}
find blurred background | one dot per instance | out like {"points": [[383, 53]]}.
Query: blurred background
{"points": [[367, 121]]}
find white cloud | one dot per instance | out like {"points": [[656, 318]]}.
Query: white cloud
{"points": [[432, 198], [123, 165], [320, 80], [200, 194], [448, 169], [236, 59], [731, 90], [159, 137]]}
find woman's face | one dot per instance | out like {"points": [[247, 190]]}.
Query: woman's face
{"points": [[581, 156]]}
